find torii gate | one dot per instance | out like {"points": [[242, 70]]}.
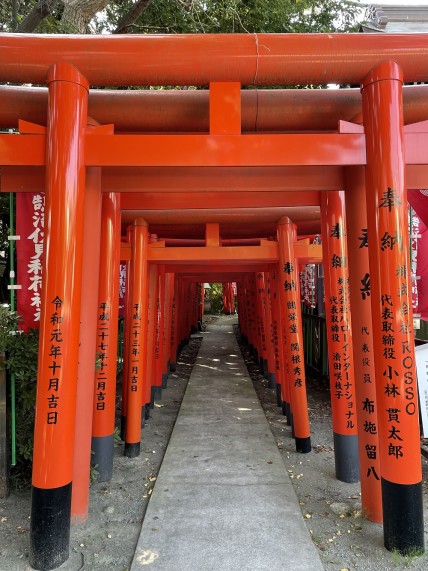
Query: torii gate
{"points": [[377, 158]]}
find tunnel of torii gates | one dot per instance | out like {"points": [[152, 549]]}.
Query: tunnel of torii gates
{"points": [[220, 184]]}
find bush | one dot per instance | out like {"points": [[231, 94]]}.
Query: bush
{"points": [[216, 298], [21, 358]]}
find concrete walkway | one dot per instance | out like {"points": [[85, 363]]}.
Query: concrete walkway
{"points": [[223, 499]]}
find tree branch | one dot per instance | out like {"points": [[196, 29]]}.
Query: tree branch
{"points": [[129, 19], [36, 15]]}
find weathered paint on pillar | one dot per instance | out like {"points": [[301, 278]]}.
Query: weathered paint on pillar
{"points": [[87, 343], [339, 336], [107, 335], [137, 353], [397, 396], [362, 334], [289, 282], [59, 324]]}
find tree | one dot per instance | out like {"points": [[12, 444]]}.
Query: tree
{"points": [[178, 16]]}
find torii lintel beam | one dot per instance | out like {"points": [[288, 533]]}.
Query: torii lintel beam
{"points": [[197, 59], [266, 253], [211, 150], [148, 182], [262, 110]]}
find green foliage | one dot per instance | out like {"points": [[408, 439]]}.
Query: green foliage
{"points": [[116, 436], [21, 358], [236, 16], [216, 297], [198, 16], [8, 324]]}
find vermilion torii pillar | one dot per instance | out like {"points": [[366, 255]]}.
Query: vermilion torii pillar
{"points": [[339, 336], [59, 324], [138, 338], [397, 395], [87, 346], [277, 337], [362, 334], [107, 333], [126, 340], [290, 299]]}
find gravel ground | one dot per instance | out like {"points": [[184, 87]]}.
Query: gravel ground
{"points": [[106, 540], [331, 509]]}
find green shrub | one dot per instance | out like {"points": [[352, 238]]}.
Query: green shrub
{"points": [[21, 358], [216, 297]]}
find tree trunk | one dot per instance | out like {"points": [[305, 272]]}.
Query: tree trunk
{"points": [[78, 13], [131, 17], [36, 15]]}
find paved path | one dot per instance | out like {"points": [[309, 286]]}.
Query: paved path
{"points": [[223, 499]]}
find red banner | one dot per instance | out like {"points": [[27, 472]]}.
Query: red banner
{"points": [[30, 212], [422, 272]]}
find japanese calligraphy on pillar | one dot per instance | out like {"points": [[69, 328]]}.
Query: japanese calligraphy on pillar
{"points": [[102, 364], [122, 288], [157, 328], [339, 333], [30, 210], [397, 357], [55, 363], [307, 286], [296, 368], [275, 324], [173, 328], [364, 365], [262, 312], [135, 361]]}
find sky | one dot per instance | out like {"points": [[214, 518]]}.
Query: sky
{"points": [[399, 2]]}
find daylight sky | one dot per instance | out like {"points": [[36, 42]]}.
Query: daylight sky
{"points": [[400, 2]]}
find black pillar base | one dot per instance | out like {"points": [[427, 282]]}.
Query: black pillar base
{"points": [[346, 458], [158, 392], [272, 380], [172, 367], [288, 414], [147, 411], [164, 380], [284, 409], [303, 445], [152, 397], [403, 521], [50, 527], [102, 456], [122, 427], [132, 449], [278, 394]]}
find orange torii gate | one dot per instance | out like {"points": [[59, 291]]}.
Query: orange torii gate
{"points": [[195, 170]]}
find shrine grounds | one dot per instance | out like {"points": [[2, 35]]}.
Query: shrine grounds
{"points": [[332, 511]]}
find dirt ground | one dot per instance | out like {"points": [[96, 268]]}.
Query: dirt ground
{"points": [[331, 509]]}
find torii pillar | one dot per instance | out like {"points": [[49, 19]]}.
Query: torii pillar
{"points": [[59, 323], [396, 387]]}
